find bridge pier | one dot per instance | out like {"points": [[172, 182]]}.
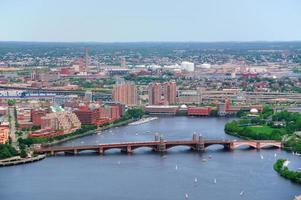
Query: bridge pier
{"points": [[258, 146], [52, 153], [75, 152], [129, 149], [229, 146], [200, 146], [100, 151], [162, 146]]}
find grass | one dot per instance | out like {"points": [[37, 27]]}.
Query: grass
{"points": [[262, 129]]}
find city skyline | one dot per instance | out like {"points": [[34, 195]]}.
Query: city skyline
{"points": [[135, 21]]}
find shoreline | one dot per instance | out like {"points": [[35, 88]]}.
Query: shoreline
{"points": [[22, 161], [91, 132], [41, 157], [142, 121]]}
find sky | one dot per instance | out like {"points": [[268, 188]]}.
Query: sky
{"points": [[150, 20]]}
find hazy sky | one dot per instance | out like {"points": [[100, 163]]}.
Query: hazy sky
{"points": [[150, 20]]}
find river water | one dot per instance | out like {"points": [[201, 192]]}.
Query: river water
{"points": [[147, 175]]}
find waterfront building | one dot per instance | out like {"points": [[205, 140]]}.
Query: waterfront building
{"points": [[154, 93], [199, 111], [170, 92], [125, 93], [98, 116], [57, 123], [161, 109]]}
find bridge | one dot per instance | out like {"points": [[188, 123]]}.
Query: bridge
{"points": [[161, 145]]}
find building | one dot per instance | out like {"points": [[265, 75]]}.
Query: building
{"points": [[170, 92], [161, 109], [57, 123], [199, 111], [36, 116], [4, 134], [125, 93], [188, 66], [98, 116], [225, 108], [67, 122], [87, 116], [154, 94]]}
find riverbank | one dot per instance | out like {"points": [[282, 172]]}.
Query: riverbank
{"points": [[21, 161], [90, 132], [281, 168], [143, 120]]}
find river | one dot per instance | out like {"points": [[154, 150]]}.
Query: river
{"points": [[147, 175]]}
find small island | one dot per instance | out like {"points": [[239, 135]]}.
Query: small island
{"points": [[281, 167]]}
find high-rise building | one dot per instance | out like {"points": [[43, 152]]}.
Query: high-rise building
{"points": [[125, 93], [154, 93], [170, 92]]}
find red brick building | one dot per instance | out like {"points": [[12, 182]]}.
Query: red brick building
{"points": [[36, 116], [199, 111]]}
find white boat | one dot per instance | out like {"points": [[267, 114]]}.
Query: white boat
{"points": [[176, 167], [195, 180], [186, 196], [214, 181], [241, 193], [204, 160], [275, 155], [297, 154], [261, 156]]}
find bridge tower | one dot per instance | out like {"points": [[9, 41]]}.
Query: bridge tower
{"points": [[162, 146], [200, 146]]}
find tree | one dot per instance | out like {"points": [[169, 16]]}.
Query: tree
{"points": [[23, 153]]}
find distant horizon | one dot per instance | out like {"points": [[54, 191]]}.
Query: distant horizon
{"points": [[153, 41]]}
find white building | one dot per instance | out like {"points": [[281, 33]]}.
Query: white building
{"points": [[188, 66]]}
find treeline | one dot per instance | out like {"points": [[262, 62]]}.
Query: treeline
{"points": [[6, 151], [285, 172]]}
